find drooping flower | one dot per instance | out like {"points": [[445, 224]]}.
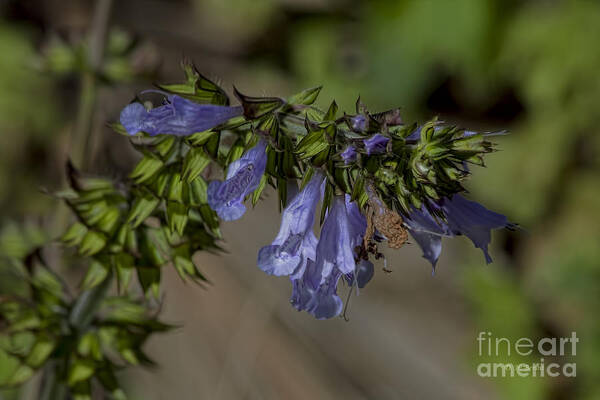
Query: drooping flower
{"points": [[349, 154], [376, 144], [179, 116], [314, 284], [342, 232], [243, 177], [296, 242], [319, 299], [462, 217]]}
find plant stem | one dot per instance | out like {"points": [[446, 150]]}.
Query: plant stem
{"points": [[81, 139]]}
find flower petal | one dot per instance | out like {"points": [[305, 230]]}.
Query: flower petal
{"points": [[180, 117], [474, 221], [243, 177], [296, 241], [376, 144], [430, 244]]}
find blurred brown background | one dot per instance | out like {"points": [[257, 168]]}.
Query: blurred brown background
{"points": [[532, 67]]}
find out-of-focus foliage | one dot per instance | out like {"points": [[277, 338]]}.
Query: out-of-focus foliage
{"points": [[123, 60], [26, 117]]}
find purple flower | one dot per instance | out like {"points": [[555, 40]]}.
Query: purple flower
{"points": [[462, 217], [349, 154], [376, 144], [319, 299], [296, 242], [243, 177], [342, 231], [359, 123], [314, 283], [179, 116]]}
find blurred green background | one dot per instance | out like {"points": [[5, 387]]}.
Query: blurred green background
{"points": [[532, 67]]}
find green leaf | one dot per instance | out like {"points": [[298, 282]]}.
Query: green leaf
{"points": [[287, 160], [149, 279], [310, 171], [212, 145], [164, 144], [21, 374], [322, 157], [46, 279], [197, 192], [197, 87], [311, 144], [210, 218], [155, 247], [80, 370], [199, 138], [256, 107], [342, 179], [124, 264], [176, 186], [306, 97], [92, 243], [177, 217], [146, 168], [331, 112], [358, 188], [89, 346], [142, 208], [40, 352], [161, 183], [87, 304], [118, 128], [269, 124], [108, 223], [74, 234], [327, 198], [95, 275], [282, 192], [186, 269], [236, 151], [261, 186]]}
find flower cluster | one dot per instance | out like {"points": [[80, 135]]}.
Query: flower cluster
{"points": [[461, 217], [315, 267], [377, 179]]}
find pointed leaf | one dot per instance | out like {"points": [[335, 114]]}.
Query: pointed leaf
{"points": [[306, 97], [256, 107]]}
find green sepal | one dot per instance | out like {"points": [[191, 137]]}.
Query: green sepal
{"points": [[74, 235], [177, 216], [92, 243], [261, 186], [256, 107], [95, 275], [142, 208], [327, 199], [194, 163], [331, 112], [305, 97], [146, 168], [200, 138]]}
